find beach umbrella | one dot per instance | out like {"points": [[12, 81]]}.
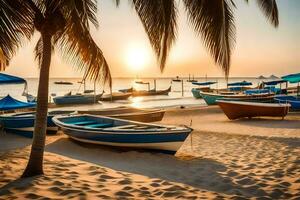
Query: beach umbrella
{"points": [[292, 78]]}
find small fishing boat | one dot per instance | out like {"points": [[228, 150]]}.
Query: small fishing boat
{"points": [[151, 92], [293, 100], [122, 133], [23, 123], [211, 98], [237, 109], [205, 87], [77, 99], [115, 96], [127, 90], [63, 83], [129, 113]]}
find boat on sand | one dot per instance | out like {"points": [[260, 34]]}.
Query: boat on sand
{"points": [[23, 123], [211, 98], [153, 92], [238, 109], [122, 133], [129, 113]]}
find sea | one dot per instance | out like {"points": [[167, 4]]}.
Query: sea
{"points": [[176, 97]]}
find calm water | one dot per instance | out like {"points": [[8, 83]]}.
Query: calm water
{"points": [[174, 99]]}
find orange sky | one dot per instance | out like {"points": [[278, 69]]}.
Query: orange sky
{"points": [[260, 49]]}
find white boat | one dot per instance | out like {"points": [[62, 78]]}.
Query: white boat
{"points": [[122, 133]]}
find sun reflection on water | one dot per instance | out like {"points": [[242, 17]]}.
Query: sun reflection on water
{"points": [[136, 102]]}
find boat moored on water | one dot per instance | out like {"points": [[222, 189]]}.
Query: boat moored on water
{"points": [[77, 99], [129, 113], [122, 133], [238, 109], [23, 123], [153, 92], [115, 96]]}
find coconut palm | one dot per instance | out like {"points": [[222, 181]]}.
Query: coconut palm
{"points": [[63, 25]]}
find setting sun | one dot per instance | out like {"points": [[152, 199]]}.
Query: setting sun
{"points": [[137, 58]]}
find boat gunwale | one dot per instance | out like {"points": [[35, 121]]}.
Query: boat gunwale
{"points": [[277, 105], [109, 130]]}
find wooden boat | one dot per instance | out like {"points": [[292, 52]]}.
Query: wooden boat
{"points": [[122, 133], [115, 96], [238, 109], [205, 87], [127, 90], [23, 123], [294, 101], [151, 92], [77, 99], [63, 83], [129, 113], [211, 98]]}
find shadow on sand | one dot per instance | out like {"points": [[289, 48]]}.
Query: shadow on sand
{"points": [[197, 172]]}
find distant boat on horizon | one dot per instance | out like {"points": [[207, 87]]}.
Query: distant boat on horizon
{"points": [[63, 83]]}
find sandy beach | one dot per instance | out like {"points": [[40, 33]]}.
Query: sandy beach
{"points": [[221, 159]]}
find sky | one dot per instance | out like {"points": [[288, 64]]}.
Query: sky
{"points": [[260, 48]]}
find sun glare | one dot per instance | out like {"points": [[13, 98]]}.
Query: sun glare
{"points": [[137, 58]]}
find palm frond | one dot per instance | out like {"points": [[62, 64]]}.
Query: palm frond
{"points": [[159, 20], [16, 23], [214, 21], [270, 10], [79, 48]]}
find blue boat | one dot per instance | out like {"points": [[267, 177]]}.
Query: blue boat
{"points": [[23, 123], [122, 133], [196, 91], [293, 100], [77, 99], [211, 98]]}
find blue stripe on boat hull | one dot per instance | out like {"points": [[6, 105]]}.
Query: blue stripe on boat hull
{"points": [[126, 137]]}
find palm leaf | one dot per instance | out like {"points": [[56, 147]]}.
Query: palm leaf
{"points": [[269, 8], [16, 23], [159, 20], [214, 21], [79, 48]]}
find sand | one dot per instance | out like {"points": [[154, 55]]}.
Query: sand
{"points": [[221, 160]]}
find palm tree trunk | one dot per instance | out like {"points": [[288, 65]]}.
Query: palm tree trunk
{"points": [[35, 163]]}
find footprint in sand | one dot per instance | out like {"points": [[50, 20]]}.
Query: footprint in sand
{"points": [[125, 182], [123, 194], [106, 177]]}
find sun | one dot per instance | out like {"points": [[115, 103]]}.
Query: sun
{"points": [[137, 58]]}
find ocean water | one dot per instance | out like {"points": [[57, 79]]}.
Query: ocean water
{"points": [[174, 99]]}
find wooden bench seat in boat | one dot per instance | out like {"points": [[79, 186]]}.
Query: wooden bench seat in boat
{"points": [[83, 123], [98, 125]]}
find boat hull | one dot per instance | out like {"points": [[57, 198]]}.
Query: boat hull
{"points": [[151, 92], [235, 110], [211, 98], [196, 93], [122, 133], [293, 100], [169, 142], [23, 124], [76, 99], [132, 114], [115, 97]]}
